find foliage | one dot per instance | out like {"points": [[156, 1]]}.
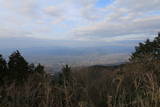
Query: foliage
{"points": [[135, 84], [3, 64], [149, 48]]}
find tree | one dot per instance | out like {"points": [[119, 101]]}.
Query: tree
{"points": [[31, 67], [17, 63], [3, 69], [18, 67], [3, 64], [151, 49], [67, 72], [67, 85], [39, 68]]}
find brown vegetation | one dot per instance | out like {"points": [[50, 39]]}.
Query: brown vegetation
{"points": [[135, 84]]}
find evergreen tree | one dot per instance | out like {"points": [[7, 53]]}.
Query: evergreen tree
{"points": [[3, 69], [17, 63], [66, 73], [64, 77], [3, 64], [39, 68], [31, 67], [148, 48], [18, 67]]}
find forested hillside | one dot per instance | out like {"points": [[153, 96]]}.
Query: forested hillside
{"points": [[133, 84]]}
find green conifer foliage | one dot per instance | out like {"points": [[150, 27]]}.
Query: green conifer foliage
{"points": [[3, 64], [151, 49]]}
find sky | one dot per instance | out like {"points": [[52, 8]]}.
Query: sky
{"points": [[89, 21]]}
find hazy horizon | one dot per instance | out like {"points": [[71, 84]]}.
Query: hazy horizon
{"points": [[83, 31]]}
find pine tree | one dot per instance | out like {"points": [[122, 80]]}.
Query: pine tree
{"points": [[17, 63], [148, 48], [67, 73], [18, 67], [39, 68], [3, 69], [3, 64]]}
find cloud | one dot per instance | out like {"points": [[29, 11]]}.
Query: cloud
{"points": [[83, 10], [125, 17], [54, 11], [24, 7], [109, 29], [7, 32], [81, 19]]}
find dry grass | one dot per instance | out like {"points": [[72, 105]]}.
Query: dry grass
{"points": [[133, 85]]}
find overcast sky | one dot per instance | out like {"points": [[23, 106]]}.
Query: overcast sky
{"points": [[80, 20]]}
